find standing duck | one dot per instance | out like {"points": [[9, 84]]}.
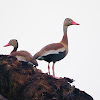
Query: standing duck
{"points": [[20, 55], [55, 51]]}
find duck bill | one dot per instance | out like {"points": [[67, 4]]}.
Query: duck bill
{"points": [[74, 23], [7, 45]]}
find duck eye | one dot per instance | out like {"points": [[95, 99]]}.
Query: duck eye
{"points": [[69, 20]]}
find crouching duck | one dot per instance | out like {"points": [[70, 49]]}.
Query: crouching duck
{"points": [[55, 51], [21, 55]]}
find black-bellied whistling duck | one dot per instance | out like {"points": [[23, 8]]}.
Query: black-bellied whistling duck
{"points": [[56, 51], [20, 55]]}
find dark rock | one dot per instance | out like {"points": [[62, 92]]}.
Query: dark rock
{"points": [[22, 81]]}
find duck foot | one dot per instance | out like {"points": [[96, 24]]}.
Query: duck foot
{"points": [[56, 77]]}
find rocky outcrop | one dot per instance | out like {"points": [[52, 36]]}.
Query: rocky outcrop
{"points": [[21, 81]]}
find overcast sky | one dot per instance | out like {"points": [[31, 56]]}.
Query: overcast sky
{"points": [[36, 23]]}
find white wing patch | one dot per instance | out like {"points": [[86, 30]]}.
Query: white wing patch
{"points": [[53, 52], [20, 58]]}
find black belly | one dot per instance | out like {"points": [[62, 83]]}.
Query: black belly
{"points": [[54, 57]]}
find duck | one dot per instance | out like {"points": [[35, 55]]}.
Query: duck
{"points": [[21, 55], [55, 51]]}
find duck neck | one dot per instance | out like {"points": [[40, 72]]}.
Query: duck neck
{"points": [[65, 39], [15, 48]]}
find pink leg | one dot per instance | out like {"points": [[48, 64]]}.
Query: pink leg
{"points": [[53, 70], [48, 69]]}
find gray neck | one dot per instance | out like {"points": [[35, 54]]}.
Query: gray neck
{"points": [[65, 29], [65, 39], [15, 48]]}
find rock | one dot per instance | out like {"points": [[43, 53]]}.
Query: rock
{"points": [[21, 81]]}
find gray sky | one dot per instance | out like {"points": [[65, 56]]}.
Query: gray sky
{"points": [[36, 23]]}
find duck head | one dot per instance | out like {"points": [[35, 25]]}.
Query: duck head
{"points": [[12, 42], [69, 22]]}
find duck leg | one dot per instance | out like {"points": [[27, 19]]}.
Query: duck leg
{"points": [[48, 69], [53, 70]]}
